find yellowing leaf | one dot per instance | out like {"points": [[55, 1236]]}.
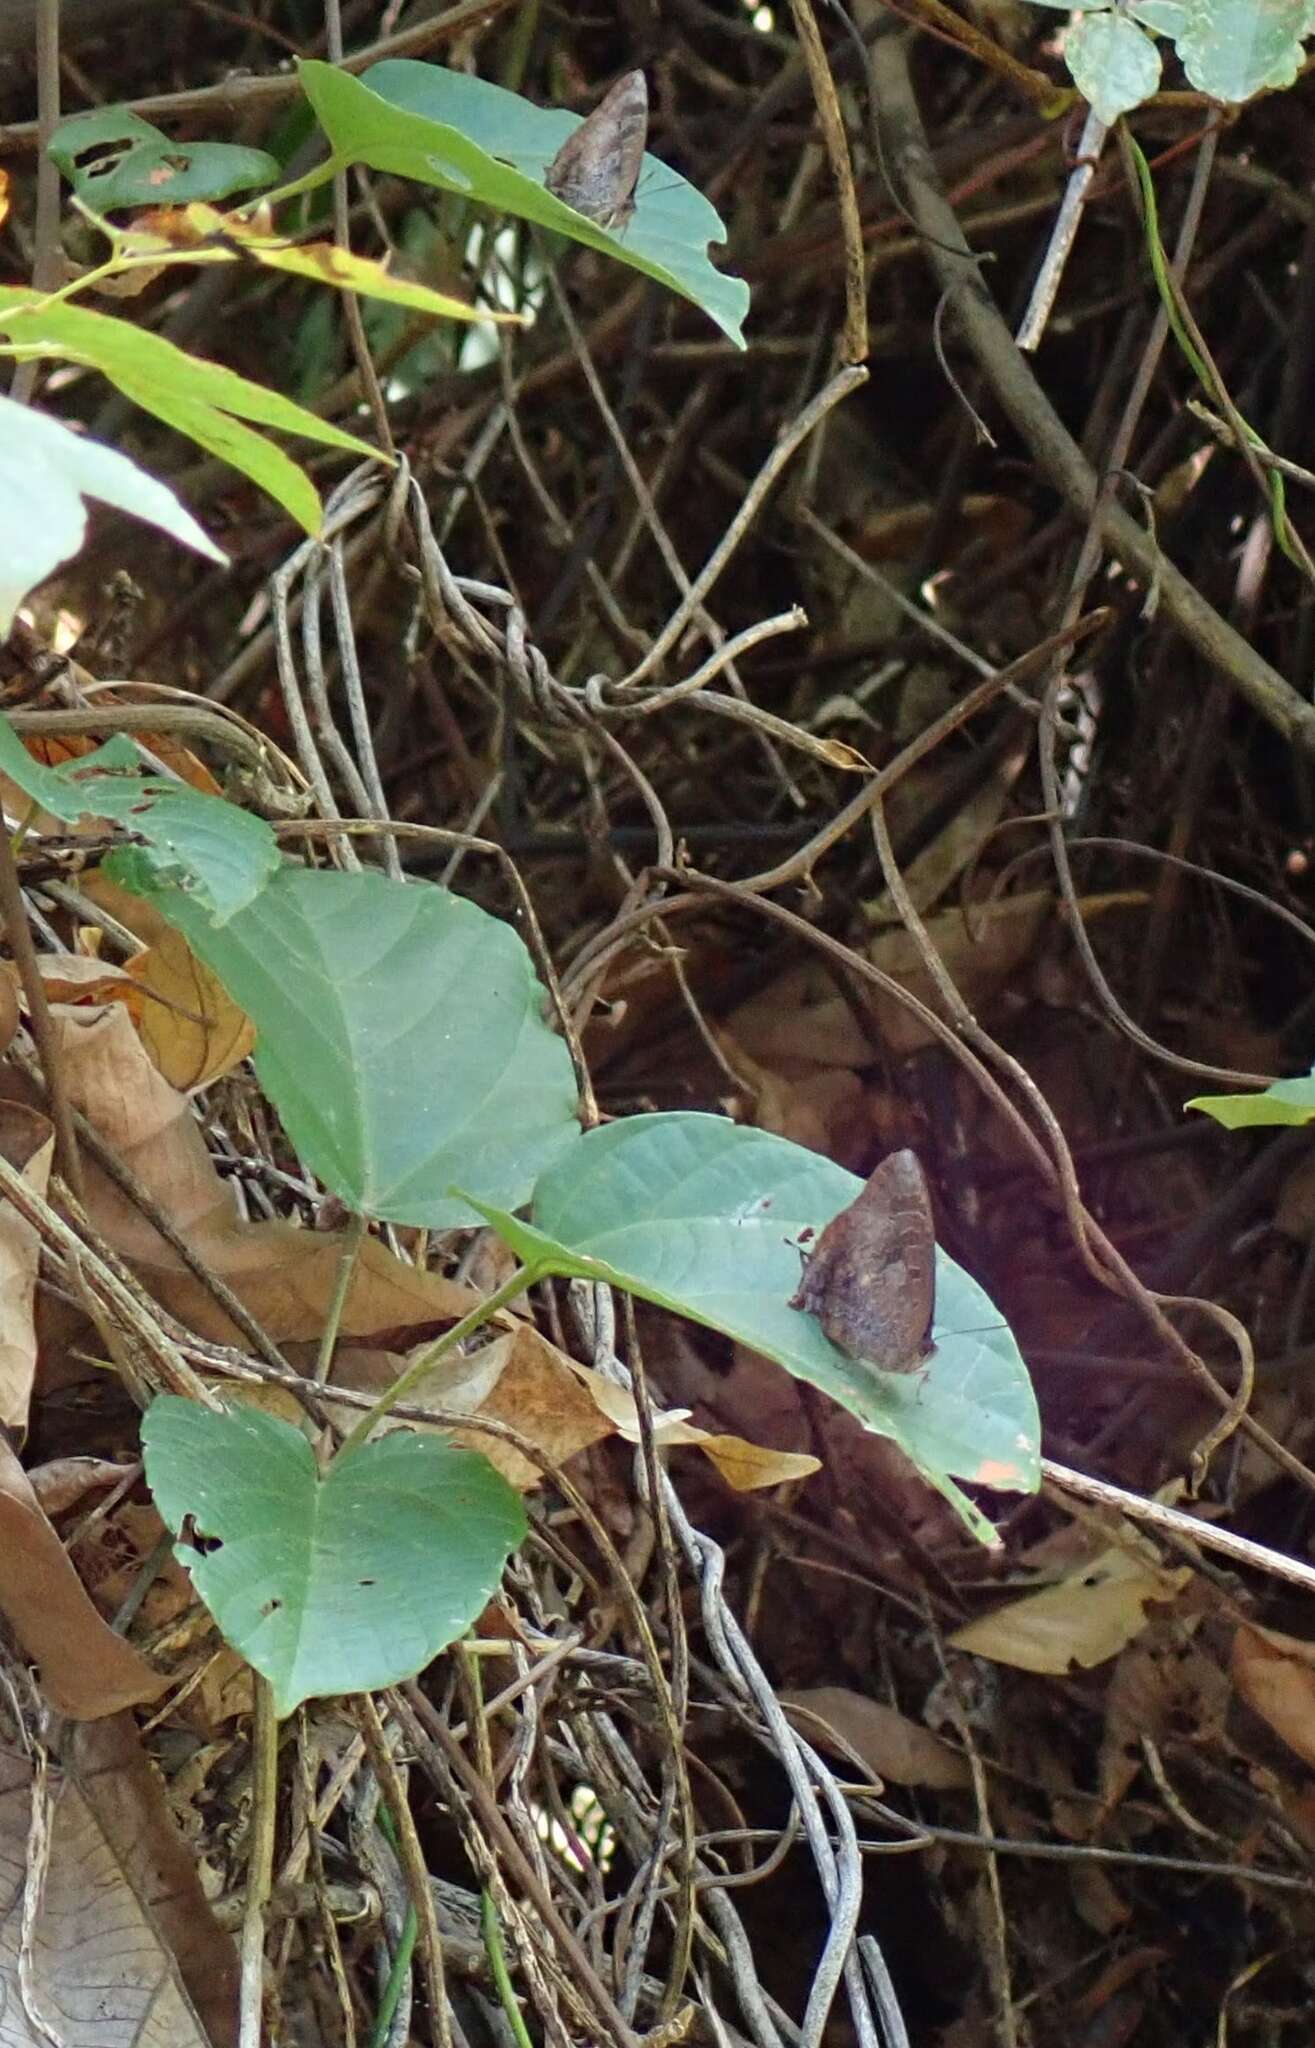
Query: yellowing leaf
{"points": [[189, 1024], [194, 1031], [742, 1465], [202, 234], [1084, 1620]]}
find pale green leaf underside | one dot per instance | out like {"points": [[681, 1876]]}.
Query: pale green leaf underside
{"points": [[400, 1034], [703, 1217], [468, 136]]}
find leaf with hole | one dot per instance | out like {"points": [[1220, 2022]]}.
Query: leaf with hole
{"points": [[113, 159], [341, 1581], [216, 854]]}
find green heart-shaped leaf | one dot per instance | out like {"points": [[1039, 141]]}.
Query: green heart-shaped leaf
{"points": [[329, 1582]]}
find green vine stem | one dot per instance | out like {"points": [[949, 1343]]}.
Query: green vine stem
{"points": [[523, 1278]]}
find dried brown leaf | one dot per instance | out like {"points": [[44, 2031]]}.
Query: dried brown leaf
{"points": [[87, 1671], [1084, 1620], [519, 1378], [1275, 1675], [888, 1742], [27, 1141], [188, 1022]]}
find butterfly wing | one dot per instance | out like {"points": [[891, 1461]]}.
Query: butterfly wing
{"points": [[597, 168], [871, 1282]]}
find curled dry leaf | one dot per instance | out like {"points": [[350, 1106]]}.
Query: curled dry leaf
{"points": [[84, 983], [744, 1466], [190, 1026], [27, 1141], [87, 1671], [890, 1744], [519, 1379], [1084, 1620], [1275, 1675], [64, 1483], [562, 1407], [188, 1022]]}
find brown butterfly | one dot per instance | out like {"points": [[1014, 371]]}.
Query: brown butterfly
{"points": [[871, 1279], [597, 167]]}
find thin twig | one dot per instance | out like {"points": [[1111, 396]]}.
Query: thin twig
{"points": [[260, 1861], [14, 912], [854, 340]]}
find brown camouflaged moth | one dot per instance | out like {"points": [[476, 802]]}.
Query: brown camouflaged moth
{"points": [[597, 168], [871, 1278]]}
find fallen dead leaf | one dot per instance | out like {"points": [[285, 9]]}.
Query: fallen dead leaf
{"points": [[984, 950], [286, 1276], [887, 1742], [1275, 1675], [801, 1022], [1085, 1619], [64, 1483], [523, 1379], [124, 1949], [193, 1029], [519, 1378], [85, 982], [87, 1671], [27, 1141], [1162, 1686]]}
